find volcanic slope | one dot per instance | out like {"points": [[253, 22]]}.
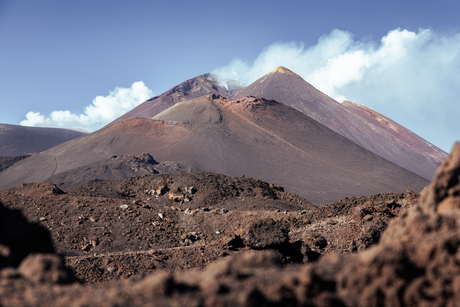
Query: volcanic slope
{"points": [[362, 125], [115, 167], [250, 136], [201, 85], [19, 140]]}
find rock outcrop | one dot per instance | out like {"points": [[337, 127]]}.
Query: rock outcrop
{"points": [[416, 262]]}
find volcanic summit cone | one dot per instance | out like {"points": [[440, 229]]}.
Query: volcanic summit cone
{"points": [[249, 136], [362, 125], [193, 88]]}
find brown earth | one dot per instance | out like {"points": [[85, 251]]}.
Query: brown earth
{"points": [[151, 214], [414, 262], [250, 136], [124, 228]]}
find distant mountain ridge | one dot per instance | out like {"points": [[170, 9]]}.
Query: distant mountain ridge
{"points": [[21, 140], [248, 136]]}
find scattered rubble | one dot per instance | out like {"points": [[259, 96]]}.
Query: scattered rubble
{"points": [[380, 250]]}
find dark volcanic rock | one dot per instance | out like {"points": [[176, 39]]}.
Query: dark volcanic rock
{"points": [[6, 162], [113, 229], [116, 167], [27, 256], [46, 269], [249, 136], [138, 213], [415, 263], [19, 238], [265, 233]]}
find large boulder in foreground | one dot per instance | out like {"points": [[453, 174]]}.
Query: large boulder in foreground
{"points": [[27, 253], [19, 238], [415, 263]]}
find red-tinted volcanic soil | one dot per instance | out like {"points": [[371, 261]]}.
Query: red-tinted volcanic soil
{"points": [[362, 125], [19, 140], [158, 214], [136, 234], [249, 136], [408, 149], [122, 228]]}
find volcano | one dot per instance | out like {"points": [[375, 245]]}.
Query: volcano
{"points": [[193, 88], [248, 136], [361, 125]]}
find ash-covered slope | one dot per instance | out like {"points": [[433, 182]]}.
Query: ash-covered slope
{"points": [[250, 136], [123, 166], [193, 88], [19, 140], [395, 142], [363, 126], [6, 162]]}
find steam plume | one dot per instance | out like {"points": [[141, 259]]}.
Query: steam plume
{"points": [[412, 77]]}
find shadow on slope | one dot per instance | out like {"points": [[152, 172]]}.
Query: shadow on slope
{"points": [[250, 136], [361, 125], [116, 167], [20, 140]]}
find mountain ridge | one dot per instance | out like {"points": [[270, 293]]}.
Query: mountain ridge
{"points": [[250, 136], [18, 140], [400, 146], [192, 88], [404, 148]]}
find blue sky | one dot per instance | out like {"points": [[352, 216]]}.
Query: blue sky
{"points": [[78, 63]]}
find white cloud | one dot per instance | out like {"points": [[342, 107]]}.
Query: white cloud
{"points": [[103, 110], [412, 77]]}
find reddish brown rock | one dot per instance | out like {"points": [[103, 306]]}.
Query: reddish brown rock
{"points": [[45, 268], [415, 262]]}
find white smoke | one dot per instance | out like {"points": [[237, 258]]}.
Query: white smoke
{"points": [[103, 110], [412, 77]]}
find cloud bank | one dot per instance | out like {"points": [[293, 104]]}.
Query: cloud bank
{"points": [[103, 110], [411, 77]]}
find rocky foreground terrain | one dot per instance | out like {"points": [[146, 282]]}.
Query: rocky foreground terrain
{"points": [[202, 239]]}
